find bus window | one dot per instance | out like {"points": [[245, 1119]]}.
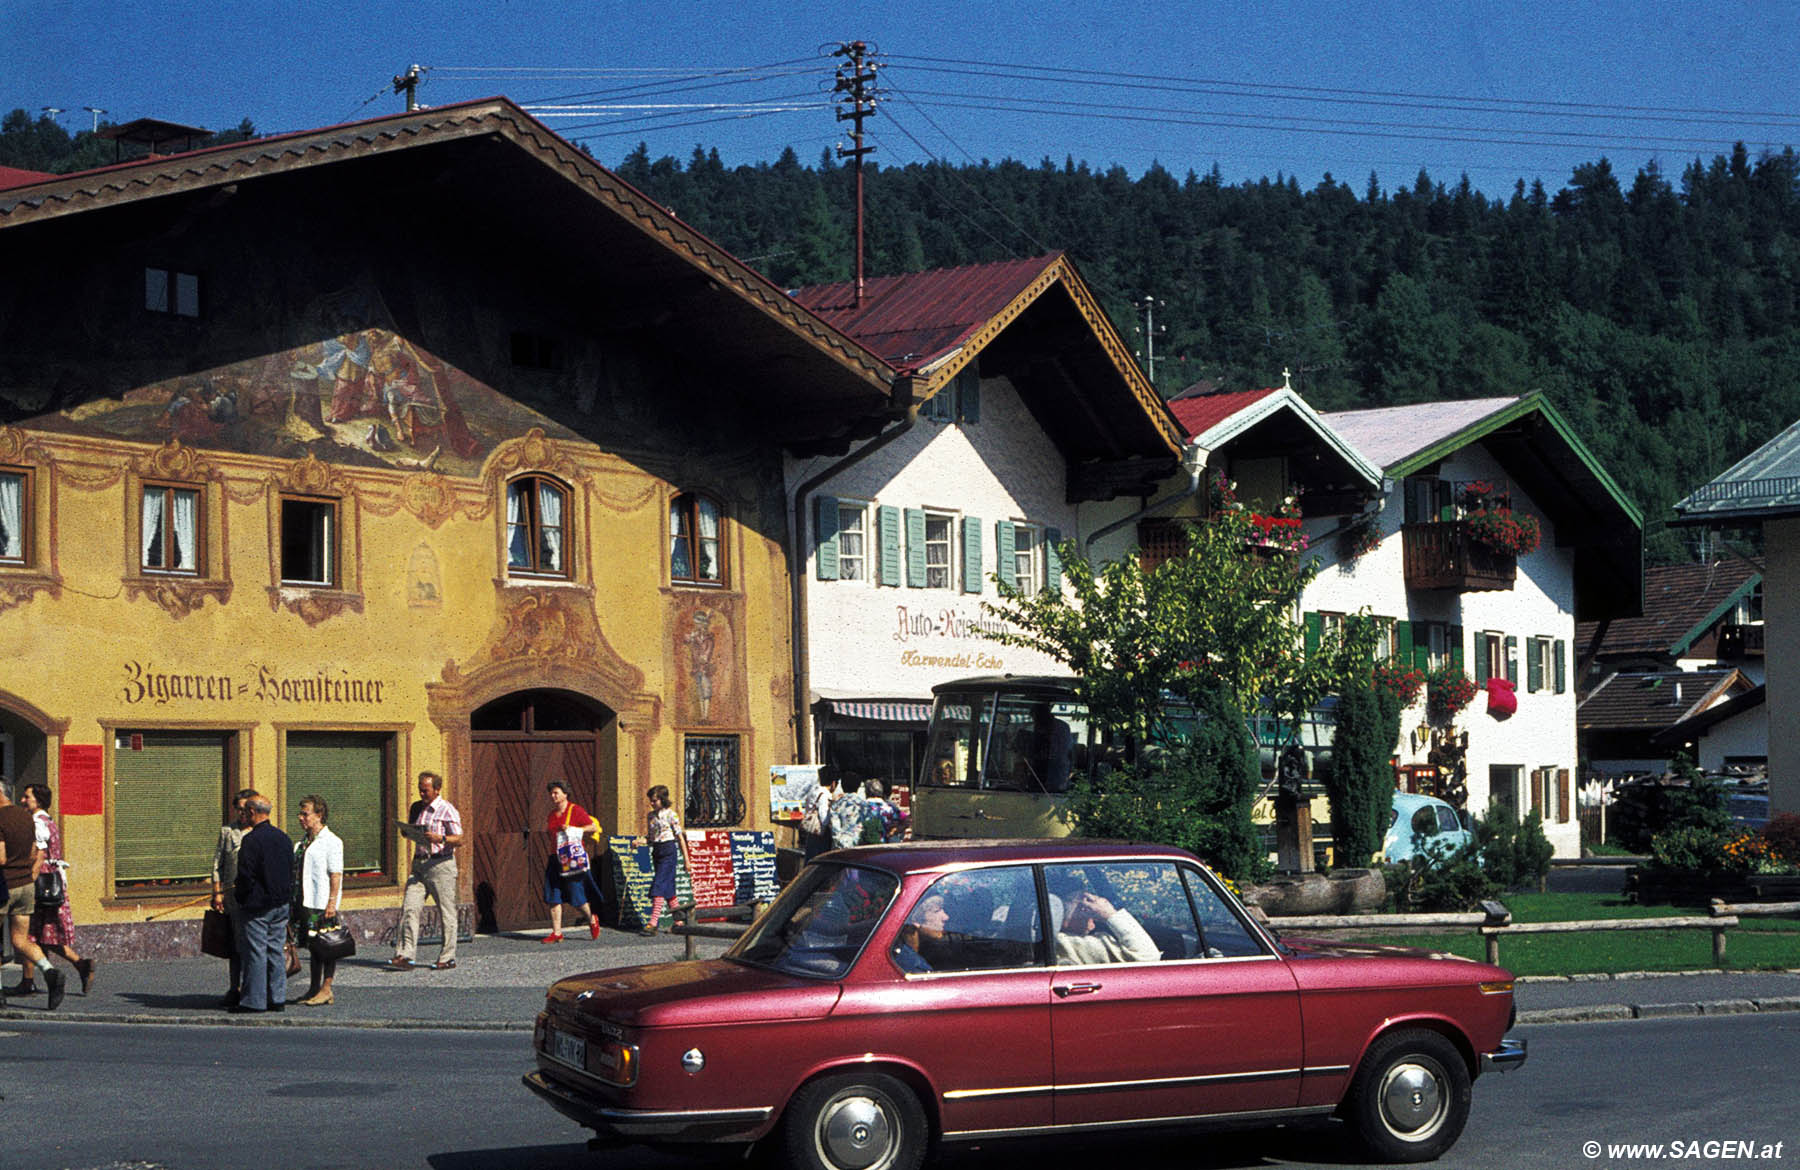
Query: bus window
{"points": [[954, 751], [1034, 744]]}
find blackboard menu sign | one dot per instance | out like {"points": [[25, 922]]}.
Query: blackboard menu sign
{"points": [[731, 866]]}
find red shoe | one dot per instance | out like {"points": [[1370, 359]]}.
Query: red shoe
{"points": [[593, 928], [554, 937]]}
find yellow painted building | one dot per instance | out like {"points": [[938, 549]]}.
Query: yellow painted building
{"points": [[422, 443]]}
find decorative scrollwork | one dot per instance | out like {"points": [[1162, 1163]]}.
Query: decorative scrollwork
{"points": [[314, 605], [179, 596]]}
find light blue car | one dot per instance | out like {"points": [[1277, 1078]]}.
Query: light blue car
{"points": [[1424, 822]]}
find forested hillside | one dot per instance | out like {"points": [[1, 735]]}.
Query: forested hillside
{"points": [[1662, 316]]}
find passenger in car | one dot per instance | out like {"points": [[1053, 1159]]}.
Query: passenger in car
{"points": [[924, 941], [1095, 931]]}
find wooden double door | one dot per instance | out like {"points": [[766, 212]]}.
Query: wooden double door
{"points": [[511, 846]]}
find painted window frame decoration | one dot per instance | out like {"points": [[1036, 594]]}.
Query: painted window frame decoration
{"points": [[15, 516], [160, 534], [696, 558], [323, 546], [528, 499]]}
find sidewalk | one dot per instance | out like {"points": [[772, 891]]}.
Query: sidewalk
{"points": [[499, 983]]}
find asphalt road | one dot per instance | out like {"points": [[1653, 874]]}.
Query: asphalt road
{"points": [[85, 1097]]}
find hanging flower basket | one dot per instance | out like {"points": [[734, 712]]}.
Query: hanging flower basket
{"points": [[1447, 692]]}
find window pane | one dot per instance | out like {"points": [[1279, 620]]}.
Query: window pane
{"points": [[681, 558], [1031, 747], [550, 528], [187, 294], [852, 542], [714, 795], [168, 804], [708, 515], [184, 555], [156, 290], [937, 551], [348, 770], [306, 541], [155, 499], [1120, 912], [12, 516], [518, 524], [978, 920], [1222, 933]]}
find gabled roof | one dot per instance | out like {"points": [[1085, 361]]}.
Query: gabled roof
{"points": [[1763, 485], [1699, 723], [1681, 603], [1651, 700], [1539, 452], [1036, 323], [1216, 420], [490, 162]]}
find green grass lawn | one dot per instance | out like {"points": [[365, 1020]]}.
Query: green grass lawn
{"points": [[1754, 944]]}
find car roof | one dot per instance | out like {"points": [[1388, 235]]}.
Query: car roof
{"points": [[922, 856], [1417, 800]]}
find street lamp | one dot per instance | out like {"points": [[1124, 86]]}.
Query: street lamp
{"points": [[96, 111]]}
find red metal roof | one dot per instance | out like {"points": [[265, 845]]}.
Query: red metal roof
{"points": [[1204, 412], [912, 320], [14, 177]]}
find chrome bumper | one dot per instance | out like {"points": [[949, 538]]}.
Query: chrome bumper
{"points": [[667, 1125], [1510, 1055]]}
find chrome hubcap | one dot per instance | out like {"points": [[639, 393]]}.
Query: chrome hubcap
{"points": [[856, 1132], [1412, 1101]]}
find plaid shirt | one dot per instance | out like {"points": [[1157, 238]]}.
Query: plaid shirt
{"points": [[437, 817]]}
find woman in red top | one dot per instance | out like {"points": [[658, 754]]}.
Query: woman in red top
{"points": [[569, 875]]}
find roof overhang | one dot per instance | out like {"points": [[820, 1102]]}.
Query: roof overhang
{"points": [[623, 263], [1294, 427], [1764, 485]]}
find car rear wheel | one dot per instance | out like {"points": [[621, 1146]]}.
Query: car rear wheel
{"points": [[1410, 1098], [858, 1121]]}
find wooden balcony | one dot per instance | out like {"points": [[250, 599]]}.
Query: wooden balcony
{"points": [[1444, 556]]}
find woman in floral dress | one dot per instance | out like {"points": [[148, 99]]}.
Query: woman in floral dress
{"points": [[53, 930]]}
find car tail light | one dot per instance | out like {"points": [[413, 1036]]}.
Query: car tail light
{"points": [[1495, 987], [614, 1062]]}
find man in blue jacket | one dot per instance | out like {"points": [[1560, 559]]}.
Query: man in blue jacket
{"points": [[265, 889]]}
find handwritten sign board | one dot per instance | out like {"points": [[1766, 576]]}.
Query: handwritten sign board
{"points": [[730, 866]]}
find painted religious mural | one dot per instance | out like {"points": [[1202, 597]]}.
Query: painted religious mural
{"points": [[362, 395]]}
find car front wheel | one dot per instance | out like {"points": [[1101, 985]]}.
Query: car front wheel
{"points": [[1410, 1098], [859, 1121]]}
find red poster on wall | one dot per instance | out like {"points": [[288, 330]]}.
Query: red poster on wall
{"points": [[80, 774], [710, 854]]}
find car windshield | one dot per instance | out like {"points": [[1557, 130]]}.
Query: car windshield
{"points": [[819, 924]]}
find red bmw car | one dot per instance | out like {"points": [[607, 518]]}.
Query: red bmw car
{"points": [[897, 997]]}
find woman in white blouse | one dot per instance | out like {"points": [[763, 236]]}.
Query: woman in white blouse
{"points": [[320, 859]]}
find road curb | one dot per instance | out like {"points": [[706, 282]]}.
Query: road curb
{"points": [[1598, 1012], [279, 1020]]}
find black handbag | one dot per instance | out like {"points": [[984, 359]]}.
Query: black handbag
{"points": [[215, 935], [331, 941], [52, 890]]}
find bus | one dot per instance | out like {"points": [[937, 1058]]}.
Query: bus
{"points": [[1002, 753]]}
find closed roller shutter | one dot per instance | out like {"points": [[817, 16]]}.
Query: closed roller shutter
{"points": [[346, 769], [168, 804]]}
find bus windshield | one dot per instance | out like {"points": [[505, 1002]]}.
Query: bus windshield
{"points": [[1025, 740]]}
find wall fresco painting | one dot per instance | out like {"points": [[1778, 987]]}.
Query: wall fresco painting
{"points": [[362, 395]]}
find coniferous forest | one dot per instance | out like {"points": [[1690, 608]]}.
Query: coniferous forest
{"points": [[1660, 313]]}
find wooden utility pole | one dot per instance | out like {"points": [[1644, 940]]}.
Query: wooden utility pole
{"points": [[856, 82]]}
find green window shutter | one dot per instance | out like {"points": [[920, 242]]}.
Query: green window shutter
{"points": [[887, 523], [1512, 659], [1421, 649], [825, 542], [347, 770], [1005, 550], [168, 803], [1052, 560], [937, 408], [1314, 633], [971, 554], [915, 548], [1403, 641], [1456, 648], [1534, 665], [1484, 669], [1562, 666], [968, 393]]}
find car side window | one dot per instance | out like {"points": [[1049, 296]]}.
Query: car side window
{"points": [[975, 920], [1447, 821], [1223, 933], [1120, 912], [1424, 822]]}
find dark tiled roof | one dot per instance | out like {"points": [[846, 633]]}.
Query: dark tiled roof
{"points": [[1649, 700], [916, 318], [1677, 600], [1203, 412]]}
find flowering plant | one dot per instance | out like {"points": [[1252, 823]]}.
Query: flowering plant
{"points": [[1504, 530], [1279, 529], [1447, 691], [1403, 681]]}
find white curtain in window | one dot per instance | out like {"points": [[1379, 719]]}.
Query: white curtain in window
{"points": [[185, 544], [518, 551], [12, 516], [680, 565], [709, 539], [550, 511], [153, 527]]}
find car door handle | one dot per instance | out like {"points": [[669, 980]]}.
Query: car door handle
{"points": [[1065, 990]]}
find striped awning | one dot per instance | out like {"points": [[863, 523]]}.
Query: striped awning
{"points": [[879, 710]]}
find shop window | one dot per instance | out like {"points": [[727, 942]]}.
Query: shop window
{"points": [[352, 771], [176, 293], [170, 530], [15, 516], [308, 536], [712, 782], [696, 540], [537, 510], [170, 790]]}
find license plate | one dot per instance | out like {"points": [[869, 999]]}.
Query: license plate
{"points": [[570, 1050]]}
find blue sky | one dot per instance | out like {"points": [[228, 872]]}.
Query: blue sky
{"points": [[1499, 90]]}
